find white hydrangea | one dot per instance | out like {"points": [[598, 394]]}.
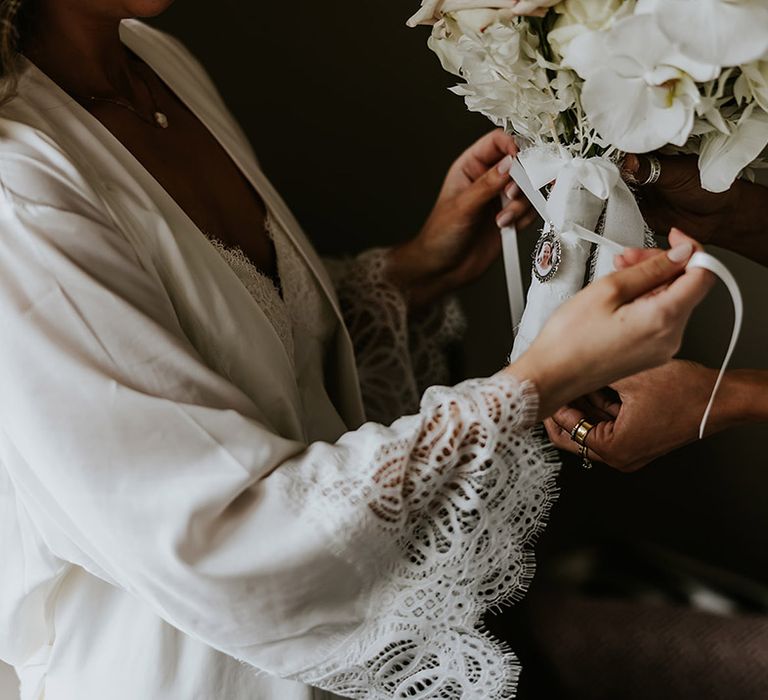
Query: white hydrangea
{"points": [[432, 11], [505, 76], [576, 17]]}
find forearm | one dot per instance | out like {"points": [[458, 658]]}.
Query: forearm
{"points": [[745, 397], [745, 229]]}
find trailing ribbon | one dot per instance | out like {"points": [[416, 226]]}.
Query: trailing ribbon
{"points": [[595, 176]]}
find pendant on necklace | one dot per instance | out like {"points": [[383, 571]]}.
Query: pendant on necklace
{"points": [[161, 120]]}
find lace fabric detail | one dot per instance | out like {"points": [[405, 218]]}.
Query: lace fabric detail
{"points": [[305, 300], [301, 303], [429, 335], [439, 522], [398, 354]]}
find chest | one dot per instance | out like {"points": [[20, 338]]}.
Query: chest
{"points": [[199, 175]]}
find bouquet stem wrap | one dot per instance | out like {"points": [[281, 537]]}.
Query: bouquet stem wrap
{"points": [[588, 195], [582, 188]]}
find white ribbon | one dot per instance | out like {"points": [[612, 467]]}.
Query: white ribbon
{"points": [[705, 261], [594, 176]]}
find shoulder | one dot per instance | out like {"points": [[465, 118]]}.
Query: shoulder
{"points": [[35, 170]]}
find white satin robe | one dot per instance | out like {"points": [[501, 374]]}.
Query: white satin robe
{"points": [[179, 506]]}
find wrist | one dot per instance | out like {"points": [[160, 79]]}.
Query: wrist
{"points": [[407, 272], [744, 397], [552, 389], [402, 270]]}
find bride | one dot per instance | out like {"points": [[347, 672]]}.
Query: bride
{"points": [[191, 502]]}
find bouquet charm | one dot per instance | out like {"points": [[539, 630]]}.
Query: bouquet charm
{"points": [[581, 83]]}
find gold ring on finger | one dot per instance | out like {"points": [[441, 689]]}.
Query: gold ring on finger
{"points": [[580, 432]]}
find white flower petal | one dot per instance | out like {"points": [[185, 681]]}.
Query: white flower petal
{"points": [[626, 114], [587, 53], [723, 157], [722, 32]]}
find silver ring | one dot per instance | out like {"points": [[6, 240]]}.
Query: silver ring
{"points": [[655, 174], [586, 462]]}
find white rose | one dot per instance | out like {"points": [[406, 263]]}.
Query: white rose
{"points": [[579, 16], [432, 11]]}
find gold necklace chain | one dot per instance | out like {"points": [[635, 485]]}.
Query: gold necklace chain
{"points": [[158, 119]]}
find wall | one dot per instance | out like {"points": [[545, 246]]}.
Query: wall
{"points": [[350, 115]]}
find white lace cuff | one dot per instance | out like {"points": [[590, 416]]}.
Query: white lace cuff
{"points": [[438, 520]]}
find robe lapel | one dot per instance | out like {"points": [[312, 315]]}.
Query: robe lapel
{"points": [[206, 107], [215, 310], [202, 99]]}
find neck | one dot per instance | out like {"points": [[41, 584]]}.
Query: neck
{"points": [[82, 53]]}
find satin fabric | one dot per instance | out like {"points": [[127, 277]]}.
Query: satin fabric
{"points": [[146, 400]]}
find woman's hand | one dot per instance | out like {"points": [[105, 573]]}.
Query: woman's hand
{"points": [[461, 238], [625, 323], [735, 219]]}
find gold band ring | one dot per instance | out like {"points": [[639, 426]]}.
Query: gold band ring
{"points": [[580, 432]]}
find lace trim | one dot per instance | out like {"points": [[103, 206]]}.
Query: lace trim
{"points": [[398, 355], [262, 288], [439, 522], [305, 301], [430, 334], [301, 303]]}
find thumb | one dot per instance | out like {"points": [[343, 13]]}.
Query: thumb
{"points": [[652, 273], [486, 188]]}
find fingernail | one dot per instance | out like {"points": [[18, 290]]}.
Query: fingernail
{"points": [[512, 191], [680, 253], [504, 218], [505, 165]]}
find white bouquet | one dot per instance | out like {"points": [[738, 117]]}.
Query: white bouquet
{"points": [[582, 83]]}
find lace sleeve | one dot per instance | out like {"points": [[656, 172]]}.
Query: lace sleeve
{"points": [[399, 355], [438, 520]]}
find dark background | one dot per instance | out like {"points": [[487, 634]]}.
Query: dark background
{"points": [[350, 115]]}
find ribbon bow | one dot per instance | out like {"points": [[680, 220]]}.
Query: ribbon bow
{"points": [[536, 167]]}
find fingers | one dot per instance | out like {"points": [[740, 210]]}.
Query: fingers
{"points": [[674, 169], [492, 147], [604, 404], [486, 188], [598, 440], [560, 426], [677, 237], [560, 437], [653, 272], [485, 153], [688, 290], [633, 256], [516, 209]]}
